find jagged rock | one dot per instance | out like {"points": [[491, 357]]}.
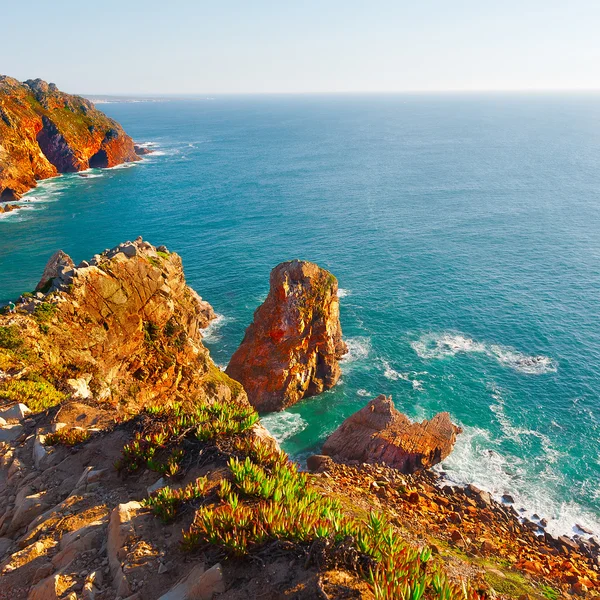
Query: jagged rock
{"points": [[17, 412], [5, 544], [39, 451], [58, 264], [142, 150], [292, 348], [129, 322], [379, 433], [9, 433], [318, 463], [47, 589], [198, 585], [45, 132], [120, 532], [156, 486], [30, 507], [75, 542]]}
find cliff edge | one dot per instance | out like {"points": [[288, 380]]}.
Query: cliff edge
{"points": [[44, 132]]}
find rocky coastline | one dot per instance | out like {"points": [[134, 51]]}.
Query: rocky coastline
{"points": [[132, 467], [45, 132]]}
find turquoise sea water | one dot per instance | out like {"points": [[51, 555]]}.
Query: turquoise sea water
{"points": [[464, 231]]}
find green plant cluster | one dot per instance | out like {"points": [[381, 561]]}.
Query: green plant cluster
{"points": [[10, 338], [38, 395], [162, 450], [274, 501], [67, 437], [167, 502]]}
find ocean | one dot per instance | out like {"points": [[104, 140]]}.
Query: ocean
{"points": [[464, 231]]}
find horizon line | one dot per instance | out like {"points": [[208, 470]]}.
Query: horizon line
{"points": [[349, 92]]}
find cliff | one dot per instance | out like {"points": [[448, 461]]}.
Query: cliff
{"points": [[131, 467], [44, 131], [291, 349]]}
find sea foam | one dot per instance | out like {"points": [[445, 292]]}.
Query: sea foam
{"points": [[283, 425], [445, 345], [211, 333]]}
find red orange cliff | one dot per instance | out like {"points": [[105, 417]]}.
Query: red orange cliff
{"points": [[44, 132]]}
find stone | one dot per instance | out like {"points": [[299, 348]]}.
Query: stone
{"points": [[39, 450], [156, 486], [27, 510], [5, 544], [198, 585], [292, 348], [379, 433], [9, 433], [80, 387], [17, 412], [47, 589], [58, 263], [76, 542], [120, 532], [317, 463]]}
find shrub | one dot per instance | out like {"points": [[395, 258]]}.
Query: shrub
{"points": [[44, 312], [166, 502], [67, 437], [38, 395], [10, 338]]}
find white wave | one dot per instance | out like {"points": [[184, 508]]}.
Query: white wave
{"points": [[86, 175], [284, 425], [211, 333], [359, 348], [125, 165], [393, 375], [476, 461], [364, 393], [445, 345], [342, 293]]}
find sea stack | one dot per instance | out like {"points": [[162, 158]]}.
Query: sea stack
{"points": [[291, 349], [379, 433], [44, 132]]}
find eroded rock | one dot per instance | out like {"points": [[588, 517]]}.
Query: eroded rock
{"points": [[292, 348], [380, 433]]}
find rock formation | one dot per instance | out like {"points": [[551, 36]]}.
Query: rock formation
{"points": [[124, 323], [380, 433], [292, 348], [44, 132]]}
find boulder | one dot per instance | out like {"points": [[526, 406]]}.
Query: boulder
{"points": [[291, 349], [17, 412], [58, 264], [198, 585], [380, 433]]}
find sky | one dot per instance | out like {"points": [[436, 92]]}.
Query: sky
{"points": [[306, 46]]}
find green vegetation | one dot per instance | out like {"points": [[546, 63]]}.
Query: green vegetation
{"points": [[37, 395], [550, 593], [44, 312], [163, 254], [160, 447], [67, 437], [167, 502], [274, 501], [10, 338]]}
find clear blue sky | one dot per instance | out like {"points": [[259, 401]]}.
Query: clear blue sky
{"points": [[247, 46]]}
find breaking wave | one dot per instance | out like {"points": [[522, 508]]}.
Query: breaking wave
{"points": [[445, 345], [393, 375], [342, 293], [211, 334], [284, 425]]}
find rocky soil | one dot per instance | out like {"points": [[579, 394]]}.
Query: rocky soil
{"points": [[44, 131]]}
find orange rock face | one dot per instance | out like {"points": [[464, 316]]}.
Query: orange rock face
{"points": [[44, 132], [380, 433], [292, 348]]}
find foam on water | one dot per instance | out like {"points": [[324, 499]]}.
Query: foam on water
{"points": [[359, 349], [393, 375], [342, 293], [284, 425], [475, 460], [446, 345], [211, 333]]}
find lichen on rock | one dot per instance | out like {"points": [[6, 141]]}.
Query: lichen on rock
{"points": [[292, 348]]}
